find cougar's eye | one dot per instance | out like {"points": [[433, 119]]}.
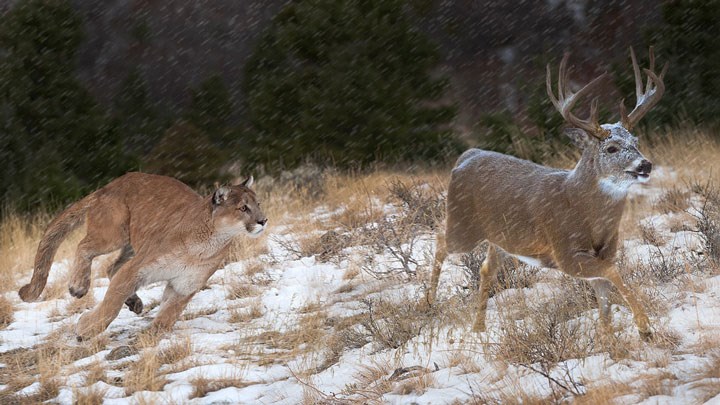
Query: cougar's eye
{"points": [[243, 208], [611, 149]]}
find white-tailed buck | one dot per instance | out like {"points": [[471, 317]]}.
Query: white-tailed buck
{"points": [[563, 219]]}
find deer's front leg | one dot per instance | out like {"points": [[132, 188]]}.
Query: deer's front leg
{"points": [[587, 264]]}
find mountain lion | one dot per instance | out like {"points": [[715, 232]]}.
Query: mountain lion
{"points": [[165, 231]]}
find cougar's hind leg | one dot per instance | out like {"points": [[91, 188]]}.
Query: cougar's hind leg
{"points": [[122, 285], [105, 233], [134, 303], [488, 276]]}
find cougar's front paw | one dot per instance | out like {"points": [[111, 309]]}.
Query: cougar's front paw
{"points": [[135, 304]]}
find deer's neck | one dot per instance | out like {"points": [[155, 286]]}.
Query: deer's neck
{"points": [[586, 184]]}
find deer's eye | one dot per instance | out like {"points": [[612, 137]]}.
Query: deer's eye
{"points": [[243, 208], [612, 149]]}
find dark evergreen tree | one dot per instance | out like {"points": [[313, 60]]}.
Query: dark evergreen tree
{"points": [[186, 153], [137, 118], [210, 110], [688, 39], [344, 81], [61, 142]]}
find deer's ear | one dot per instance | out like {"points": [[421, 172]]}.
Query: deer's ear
{"points": [[579, 138]]}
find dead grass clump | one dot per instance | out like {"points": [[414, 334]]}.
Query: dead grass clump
{"points": [[7, 312], [412, 380], [239, 290], [199, 313], [243, 248], [246, 314], [371, 382], [144, 374], [203, 386], [604, 394], [673, 200], [95, 373], [176, 351], [89, 396]]}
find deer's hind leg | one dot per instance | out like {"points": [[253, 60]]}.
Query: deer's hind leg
{"points": [[105, 233], [134, 303], [488, 277], [440, 256], [602, 291]]}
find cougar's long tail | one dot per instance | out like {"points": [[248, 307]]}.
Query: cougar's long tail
{"points": [[56, 232]]}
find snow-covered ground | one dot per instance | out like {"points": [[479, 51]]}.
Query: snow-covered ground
{"points": [[277, 342]]}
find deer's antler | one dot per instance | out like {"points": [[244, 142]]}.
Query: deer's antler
{"points": [[566, 100], [647, 97]]}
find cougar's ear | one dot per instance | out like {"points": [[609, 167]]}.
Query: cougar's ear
{"points": [[248, 182], [579, 138], [220, 195]]}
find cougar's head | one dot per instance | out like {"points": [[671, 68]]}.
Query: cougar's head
{"points": [[236, 208]]}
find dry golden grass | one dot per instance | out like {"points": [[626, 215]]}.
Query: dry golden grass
{"points": [[144, 374], [203, 386], [352, 201], [88, 397], [7, 312], [603, 394], [246, 314]]}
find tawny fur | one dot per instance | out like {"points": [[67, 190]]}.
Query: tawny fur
{"points": [[166, 232], [563, 219]]}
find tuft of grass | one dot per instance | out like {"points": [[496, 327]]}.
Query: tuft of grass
{"points": [[7, 312], [89, 396], [144, 374], [203, 386]]}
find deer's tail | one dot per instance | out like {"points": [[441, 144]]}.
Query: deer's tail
{"points": [[56, 232]]}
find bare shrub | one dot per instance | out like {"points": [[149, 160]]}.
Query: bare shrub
{"points": [[548, 335], [423, 205], [419, 210], [391, 325], [708, 217]]}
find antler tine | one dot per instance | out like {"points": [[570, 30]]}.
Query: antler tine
{"points": [[646, 97], [565, 100]]}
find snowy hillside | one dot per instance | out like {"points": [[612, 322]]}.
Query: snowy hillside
{"points": [[332, 313]]}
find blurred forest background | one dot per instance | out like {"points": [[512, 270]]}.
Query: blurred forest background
{"points": [[204, 90]]}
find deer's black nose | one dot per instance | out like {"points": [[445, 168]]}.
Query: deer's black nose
{"points": [[645, 167], [263, 222]]}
